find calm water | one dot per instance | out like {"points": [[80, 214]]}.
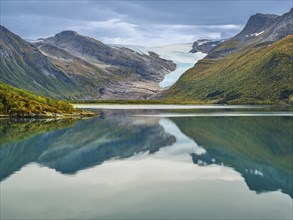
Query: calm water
{"points": [[214, 163]]}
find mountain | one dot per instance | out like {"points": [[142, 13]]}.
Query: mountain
{"points": [[129, 74], [260, 28], [122, 59], [204, 45], [252, 69], [73, 66], [24, 66]]}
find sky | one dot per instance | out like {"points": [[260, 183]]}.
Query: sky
{"points": [[135, 22]]}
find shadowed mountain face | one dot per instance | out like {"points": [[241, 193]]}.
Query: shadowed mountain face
{"points": [[259, 148], [69, 65]]}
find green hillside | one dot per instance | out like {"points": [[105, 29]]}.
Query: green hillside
{"points": [[18, 102], [260, 74]]}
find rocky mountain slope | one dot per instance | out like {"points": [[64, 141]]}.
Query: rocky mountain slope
{"points": [[73, 66], [129, 75], [255, 66], [204, 45], [123, 60]]}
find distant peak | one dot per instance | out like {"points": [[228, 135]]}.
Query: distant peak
{"points": [[257, 23], [260, 15], [200, 40], [3, 28], [66, 33], [290, 13]]}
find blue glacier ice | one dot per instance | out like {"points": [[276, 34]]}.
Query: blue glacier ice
{"points": [[178, 53]]}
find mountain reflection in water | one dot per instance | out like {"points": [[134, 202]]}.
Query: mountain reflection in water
{"points": [[259, 148]]}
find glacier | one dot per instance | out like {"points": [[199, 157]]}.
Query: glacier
{"points": [[178, 53]]}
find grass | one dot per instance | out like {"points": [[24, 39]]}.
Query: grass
{"points": [[22, 103]]}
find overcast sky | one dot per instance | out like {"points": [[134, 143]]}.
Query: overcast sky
{"points": [[135, 22]]}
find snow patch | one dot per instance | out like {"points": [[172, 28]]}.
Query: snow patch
{"points": [[34, 40], [256, 34], [202, 42]]}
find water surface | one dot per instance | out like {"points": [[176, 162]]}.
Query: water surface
{"points": [[141, 163]]}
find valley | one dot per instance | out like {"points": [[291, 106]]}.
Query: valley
{"points": [[146, 109], [253, 67]]}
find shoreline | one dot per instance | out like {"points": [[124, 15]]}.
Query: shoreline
{"points": [[170, 106], [51, 115], [174, 102]]}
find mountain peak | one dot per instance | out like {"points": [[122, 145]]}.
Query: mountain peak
{"points": [[4, 30], [66, 33], [259, 22], [256, 24], [2, 27], [204, 45]]}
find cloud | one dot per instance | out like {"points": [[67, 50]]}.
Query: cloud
{"points": [[134, 22], [117, 31]]}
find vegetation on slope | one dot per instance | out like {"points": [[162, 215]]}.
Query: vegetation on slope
{"points": [[21, 103], [261, 74], [24, 66]]}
